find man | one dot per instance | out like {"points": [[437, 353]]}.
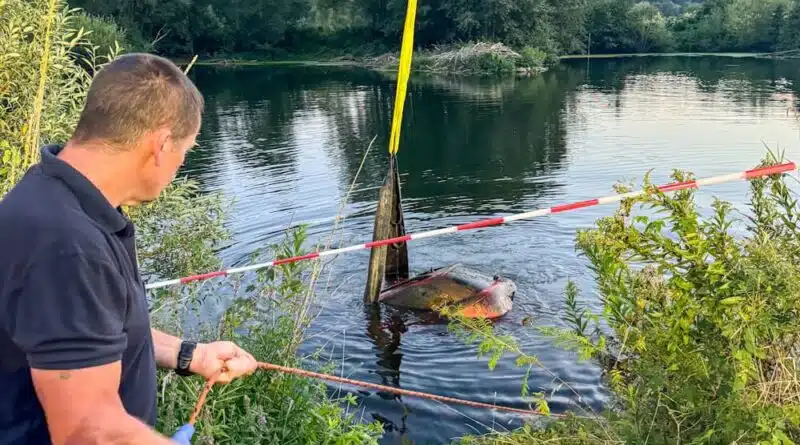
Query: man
{"points": [[78, 356]]}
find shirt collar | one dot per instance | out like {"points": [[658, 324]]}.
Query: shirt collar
{"points": [[91, 199]]}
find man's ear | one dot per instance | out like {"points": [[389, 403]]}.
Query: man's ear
{"points": [[157, 144]]}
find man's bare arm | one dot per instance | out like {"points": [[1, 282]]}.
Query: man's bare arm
{"points": [[166, 347], [208, 358], [83, 407]]}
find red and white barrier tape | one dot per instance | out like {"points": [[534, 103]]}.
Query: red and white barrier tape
{"points": [[745, 175]]}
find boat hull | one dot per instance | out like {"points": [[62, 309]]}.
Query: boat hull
{"points": [[475, 295]]}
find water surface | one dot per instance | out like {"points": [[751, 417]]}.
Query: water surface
{"points": [[286, 143]]}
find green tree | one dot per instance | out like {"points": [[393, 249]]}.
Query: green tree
{"points": [[568, 23], [608, 27], [649, 31], [789, 38], [278, 28]]}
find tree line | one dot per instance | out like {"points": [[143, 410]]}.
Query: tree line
{"points": [[278, 28]]}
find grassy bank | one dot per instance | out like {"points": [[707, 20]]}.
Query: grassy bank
{"points": [[268, 317], [468, 59], [776, 55], [456, 61], [47, 65]]}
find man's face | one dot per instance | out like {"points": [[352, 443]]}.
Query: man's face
{"points": [[167, 157]]}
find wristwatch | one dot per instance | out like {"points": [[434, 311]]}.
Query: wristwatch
{"points": [[185, 354]]}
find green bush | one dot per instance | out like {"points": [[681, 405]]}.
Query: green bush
{"points": [[41, 89], [533, 57], [706, 332], [106, 36], [698, 336], [179, 232], [493, 64], [267, 319]]}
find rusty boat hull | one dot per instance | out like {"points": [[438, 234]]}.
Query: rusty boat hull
{"points": [[474, 294]]}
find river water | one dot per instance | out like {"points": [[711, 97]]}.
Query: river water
{"points": [[287, 143]]}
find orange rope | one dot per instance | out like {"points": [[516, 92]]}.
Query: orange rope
{"points": [[302, 373], [202, 400]]}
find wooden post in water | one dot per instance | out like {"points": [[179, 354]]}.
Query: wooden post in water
{"points": [[396, 254], [387, 262], [377, 256]]}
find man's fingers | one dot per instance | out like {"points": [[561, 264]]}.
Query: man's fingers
{"points": [[235, 361], [253, 361], [225, 350], [239, 366]]}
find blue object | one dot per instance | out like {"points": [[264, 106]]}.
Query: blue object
{"points": [[184, 435]]}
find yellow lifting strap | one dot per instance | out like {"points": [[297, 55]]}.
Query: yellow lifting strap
{"points": [[403, 72]]}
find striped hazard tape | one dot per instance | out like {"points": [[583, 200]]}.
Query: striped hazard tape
{"points": [[745, 175]]}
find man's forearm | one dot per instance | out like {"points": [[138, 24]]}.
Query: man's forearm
{"points": [[82, 407], [166, 348], [115, 427]]}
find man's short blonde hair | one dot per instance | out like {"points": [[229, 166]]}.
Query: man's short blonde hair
{"points": [[137, 93]]}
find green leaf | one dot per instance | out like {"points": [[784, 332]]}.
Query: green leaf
{"points": [[730, 301], [704, 438]]}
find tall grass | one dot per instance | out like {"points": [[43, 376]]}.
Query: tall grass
{"points": [[268, 318], [40, 88], [48, 60]]}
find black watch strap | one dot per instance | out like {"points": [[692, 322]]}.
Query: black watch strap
{"points": [[185, 355]]}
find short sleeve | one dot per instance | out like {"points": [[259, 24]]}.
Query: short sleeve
{"points": [[69, 313]]}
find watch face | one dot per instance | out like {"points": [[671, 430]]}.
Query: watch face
{"points": [[185, 357]]}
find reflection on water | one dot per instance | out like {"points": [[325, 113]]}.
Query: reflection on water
{"points": [[287, 143]]}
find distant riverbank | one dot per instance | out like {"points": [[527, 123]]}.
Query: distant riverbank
{"points": [[483, 58], [478, 59], [624, 55]]}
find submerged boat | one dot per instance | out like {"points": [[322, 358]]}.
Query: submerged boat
{"points": [[471, 293], [475, 294]]}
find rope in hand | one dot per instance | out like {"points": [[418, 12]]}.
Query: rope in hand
{"points": [[303, 373]]}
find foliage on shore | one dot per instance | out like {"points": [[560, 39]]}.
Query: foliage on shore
{"points": [[482, 58], [48, 61], [323, 30], [41, 90], [698, 335], [268, 317]]}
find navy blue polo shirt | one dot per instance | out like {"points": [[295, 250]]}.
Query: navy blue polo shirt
{"points": [[70, 295]]}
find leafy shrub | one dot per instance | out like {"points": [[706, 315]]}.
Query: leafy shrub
{"points": [[699, 336], [265, 318], [489, 63], [704, 324], [179, 232], [106, 35], [41, 89], [533, 57]]}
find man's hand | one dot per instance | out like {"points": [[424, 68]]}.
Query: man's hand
{"points": [[208, 358], [211, 357]]}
